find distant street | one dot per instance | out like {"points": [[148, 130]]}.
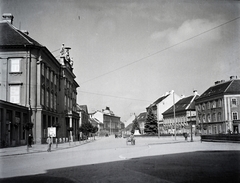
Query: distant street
{"points": [[111, 160]]}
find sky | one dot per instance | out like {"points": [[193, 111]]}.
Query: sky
{"points": [[128, 53]]}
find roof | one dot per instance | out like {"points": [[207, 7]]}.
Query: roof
{"points": [[11, 36], [158, 100], [142, 117], [224, 88], [94, 121], [183, 104], [82, 108]]}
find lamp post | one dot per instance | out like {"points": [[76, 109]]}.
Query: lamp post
{"points": [[174, 115], [110, 125]]}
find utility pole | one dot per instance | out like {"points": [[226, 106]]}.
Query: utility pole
{"points": [[174, 115]]}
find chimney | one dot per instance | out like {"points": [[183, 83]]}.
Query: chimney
{"points": [[182, 96], [8, 17], [217, 82], [25, 32], [195, 92]]}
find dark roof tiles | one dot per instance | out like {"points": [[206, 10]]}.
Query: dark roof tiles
{"points": [[229, 87], [11, 36]]}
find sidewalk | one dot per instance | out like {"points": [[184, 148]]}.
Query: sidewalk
{"points": [[36, 148]]}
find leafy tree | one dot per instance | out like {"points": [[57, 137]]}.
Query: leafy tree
{"points": [[151, 125], [86, 128], [135, 125]]}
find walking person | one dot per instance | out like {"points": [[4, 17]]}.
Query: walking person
{"points": [[49, 142], [30, 139]]}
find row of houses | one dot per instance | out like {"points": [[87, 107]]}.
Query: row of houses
{"points": [[216, 111]]}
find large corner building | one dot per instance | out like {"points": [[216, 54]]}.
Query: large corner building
{"points": [[37, 91]]}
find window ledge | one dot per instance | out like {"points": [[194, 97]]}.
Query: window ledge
{"points": [[15, 72]]}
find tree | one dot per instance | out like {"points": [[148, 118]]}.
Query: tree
{"points": [[87, 128], [135, 125], [151, 125]]}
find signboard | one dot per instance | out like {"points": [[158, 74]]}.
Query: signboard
{"points": [[52, 131]]}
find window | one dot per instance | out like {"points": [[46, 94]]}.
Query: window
{"points": [[203, 107], [47, 99], [204, 118], [219, 103], [43, 70], [51, 101], [214, 104], [213, 117], [43, 96], [234, 115], [208, 105], [15, 64], [55, 102], [209, 118], [47, 73], [51, 76], [15, 94], [234, 102], [199, 107], [55, 79], [219, 116]]}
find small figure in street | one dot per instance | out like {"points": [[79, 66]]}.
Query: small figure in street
{"points": [[132, 139], [49, 142], [30, 139]]}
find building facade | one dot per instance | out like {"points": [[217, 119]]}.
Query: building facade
{"points": [[181, 116], [110, 122], [161, 105], [218, 108], [33, 79]]}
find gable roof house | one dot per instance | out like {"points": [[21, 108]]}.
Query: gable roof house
{"points": [[162, 104], [141, 119], [218, 108], [182, 115], [32, 77]]}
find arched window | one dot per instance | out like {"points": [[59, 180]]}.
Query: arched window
{"points": [[219, 118], [209, 118], [213, 117], [220, 103], [204, 118]]}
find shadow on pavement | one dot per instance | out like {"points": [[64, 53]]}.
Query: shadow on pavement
{"points": [[197, 167]]}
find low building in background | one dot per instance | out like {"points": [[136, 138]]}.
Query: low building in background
{"points": [[111, 122]]}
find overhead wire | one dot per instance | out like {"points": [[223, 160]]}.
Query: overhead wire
{"points": [[162, 50], [125, 98]]}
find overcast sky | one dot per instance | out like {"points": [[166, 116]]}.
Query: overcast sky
{"points": [[127, 54]]}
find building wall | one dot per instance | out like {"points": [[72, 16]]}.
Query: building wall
{"points": [[13, 117], [166, 104], [32, 78], [215, 115]]}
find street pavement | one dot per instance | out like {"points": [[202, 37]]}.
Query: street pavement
{"points": [[37, 148], [109, 159]]}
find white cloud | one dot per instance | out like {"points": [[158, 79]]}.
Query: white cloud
{"points": [[187, 30]]}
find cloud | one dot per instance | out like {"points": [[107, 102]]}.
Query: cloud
{"points": [[187, 30]]}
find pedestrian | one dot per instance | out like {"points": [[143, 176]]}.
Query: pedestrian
{"points": [[30, 139], [132, 139], [49, 142]]}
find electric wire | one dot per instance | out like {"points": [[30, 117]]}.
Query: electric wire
{"points": [[162, 50]]}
